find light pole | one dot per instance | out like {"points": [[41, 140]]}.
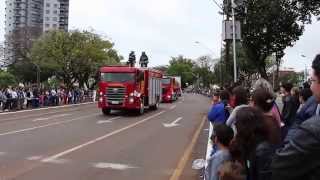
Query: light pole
{"points": [[38, 73], [305, 74], [233, 5]]}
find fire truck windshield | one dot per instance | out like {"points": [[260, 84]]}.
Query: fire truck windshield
{"points": [[117, 77], [166, 81]]}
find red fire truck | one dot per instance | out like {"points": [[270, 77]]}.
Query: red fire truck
{"points": [[170, 88], [129, 88]]}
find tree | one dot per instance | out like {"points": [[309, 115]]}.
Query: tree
{"points": [[26, 72], [181, 66], [74, 56], [203, 68], [6, 79], [163, 69], [268, 27], [307, 9], [294, 78], [19, 43]]}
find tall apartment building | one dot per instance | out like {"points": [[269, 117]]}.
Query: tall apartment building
{"points": [[23, 13], [2, 63], [28, 18], [56, 15]]}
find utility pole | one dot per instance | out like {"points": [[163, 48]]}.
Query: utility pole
{"points": [[234, 41]]}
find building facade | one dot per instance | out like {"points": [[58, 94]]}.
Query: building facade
{"points": [[56, 15], [27, 19]]}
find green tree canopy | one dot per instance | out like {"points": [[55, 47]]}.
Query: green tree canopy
{"points": [[74, 56], [268, 27], [181, 66], [6, 79]]}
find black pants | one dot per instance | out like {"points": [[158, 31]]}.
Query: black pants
{"points": [[7, 105]]}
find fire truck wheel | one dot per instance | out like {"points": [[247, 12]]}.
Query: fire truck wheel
{"points": [[106, 111], [155, 107]]}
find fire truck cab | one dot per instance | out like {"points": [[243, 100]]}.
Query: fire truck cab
{"points": [[129, 88]]}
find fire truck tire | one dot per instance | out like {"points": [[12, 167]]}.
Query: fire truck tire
{"points": [[106, 111], [155, 107]]}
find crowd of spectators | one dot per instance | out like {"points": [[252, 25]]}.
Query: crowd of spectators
{"points": [[18, 98], [254, 139]]}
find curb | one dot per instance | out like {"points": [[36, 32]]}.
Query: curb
{"points": [[39, 109]]}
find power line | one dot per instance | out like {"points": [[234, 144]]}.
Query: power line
{"points": [[218, 4]]}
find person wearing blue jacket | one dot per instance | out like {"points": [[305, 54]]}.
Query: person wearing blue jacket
{"points": [[218, 113]]}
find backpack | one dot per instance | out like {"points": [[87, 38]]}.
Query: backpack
{"points": [[226, 111], [8, 95]]}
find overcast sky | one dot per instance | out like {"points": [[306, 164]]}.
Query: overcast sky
{"points": [[165, 28]]}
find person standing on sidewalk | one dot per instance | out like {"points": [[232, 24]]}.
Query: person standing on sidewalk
{"points": [[222, 136], [218, 113], [299, 158]]}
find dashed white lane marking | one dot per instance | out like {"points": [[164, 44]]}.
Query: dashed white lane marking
{"points": [[55, 161], [34, 158], [40, 119], [52, 117], [107, 121], [104, 122], [47, 125], [101, 138], [114, 166], [172, 107], [2, 153]]}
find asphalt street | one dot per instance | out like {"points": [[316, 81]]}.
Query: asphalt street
{"points": [[79, 143]]}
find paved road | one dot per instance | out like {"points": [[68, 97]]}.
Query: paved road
{"points": [[79, 143]]}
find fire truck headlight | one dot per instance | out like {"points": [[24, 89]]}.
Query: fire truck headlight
{"points": [[131, 94], [136, 94], [131, 100], [101, 93], [100, 99]]}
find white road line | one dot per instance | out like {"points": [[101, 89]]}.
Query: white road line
{"points": [[173, 124], [2, 153], [55, 116], [104, 122], [55, 161], [34, 158], [172, 107], [40, 119], [47, 125], [107, 121], [114, 166], [101, 138], [177, 120], [56, 107]]}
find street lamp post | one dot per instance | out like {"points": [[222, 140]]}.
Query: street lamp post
{"points": [[234, 41], [38, 74], [305, 74]]}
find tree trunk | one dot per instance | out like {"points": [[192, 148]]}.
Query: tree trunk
{"points": [[262, 70], [276, 85]]}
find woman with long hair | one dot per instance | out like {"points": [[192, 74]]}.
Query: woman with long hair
{"points": [[252, 146]]}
